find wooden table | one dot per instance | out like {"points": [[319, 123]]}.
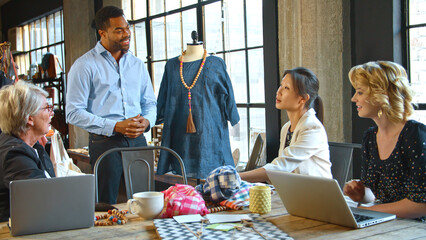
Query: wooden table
{"points": [[296, 227]]}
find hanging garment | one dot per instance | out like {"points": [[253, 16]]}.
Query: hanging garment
{"points": [[213, 105]]}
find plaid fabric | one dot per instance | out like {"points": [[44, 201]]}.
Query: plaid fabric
{"points": [[221, 184], [182, 200], [224, 186]]}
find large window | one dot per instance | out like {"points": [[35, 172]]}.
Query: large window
{"points": [[36, 38], [230, 29], [416, 52]]}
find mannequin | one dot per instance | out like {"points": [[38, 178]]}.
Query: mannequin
{"points": [[195, 103], [195, 50], [193, 53]]}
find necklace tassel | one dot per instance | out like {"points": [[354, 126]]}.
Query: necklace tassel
{"points": [[190, 127]]}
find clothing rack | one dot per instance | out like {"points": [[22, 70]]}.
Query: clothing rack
{"points": [[6, 59], [4, 56]]}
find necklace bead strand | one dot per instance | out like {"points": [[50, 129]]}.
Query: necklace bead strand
{"points": [[198, 73], [190, 126], [113, 216]]}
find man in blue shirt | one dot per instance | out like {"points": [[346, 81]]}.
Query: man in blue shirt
{"points": [[110, 95]]}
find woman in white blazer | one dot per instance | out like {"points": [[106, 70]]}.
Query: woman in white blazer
{"points": [[303, 144]]}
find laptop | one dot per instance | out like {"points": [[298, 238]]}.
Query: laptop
{"points": [[321, 199], [51, 204]]}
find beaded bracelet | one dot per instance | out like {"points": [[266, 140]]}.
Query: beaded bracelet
{"points": [[113, 216]]}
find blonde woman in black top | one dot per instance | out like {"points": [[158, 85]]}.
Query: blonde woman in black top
{"points": [[393, 153]]}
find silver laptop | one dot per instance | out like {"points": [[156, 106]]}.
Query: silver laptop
{"points": [[51, 204], [321, 199]]}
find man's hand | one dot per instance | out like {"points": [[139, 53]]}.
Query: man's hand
{"points": [[355, 190], [132, 127]]}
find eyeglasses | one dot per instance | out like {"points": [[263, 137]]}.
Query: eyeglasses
{"points": [[48, 107]]}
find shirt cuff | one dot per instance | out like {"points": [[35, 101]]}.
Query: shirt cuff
{"points": [[109, 127]]}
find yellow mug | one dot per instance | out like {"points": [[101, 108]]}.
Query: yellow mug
{"points": [[260, 199]]}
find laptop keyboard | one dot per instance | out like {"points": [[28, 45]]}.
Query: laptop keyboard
{"points": [[360, 218]]}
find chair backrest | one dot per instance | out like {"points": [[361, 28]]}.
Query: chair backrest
{"points": [[138, 167], [255, 154], [236, 156], [341, 160]]}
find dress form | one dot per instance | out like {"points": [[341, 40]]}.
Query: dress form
{"points": [[195, 50]]}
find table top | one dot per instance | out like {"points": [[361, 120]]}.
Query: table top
{"points": [[296, 227]]}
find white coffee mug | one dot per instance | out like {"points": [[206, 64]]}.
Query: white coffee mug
{"points": [[146, 204]]}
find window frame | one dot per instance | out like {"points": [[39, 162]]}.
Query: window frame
{"points": [[30, 51], [273, 121], [406, 36]]}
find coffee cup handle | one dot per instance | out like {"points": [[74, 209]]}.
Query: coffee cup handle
{"points": [[129, 205]]}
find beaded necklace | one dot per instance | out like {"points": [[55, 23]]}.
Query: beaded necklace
{"points": [[190, 127], [113, 216]]}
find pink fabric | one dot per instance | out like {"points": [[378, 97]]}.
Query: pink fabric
{"points": [[182, 200]]}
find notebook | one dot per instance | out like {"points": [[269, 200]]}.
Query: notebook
{"points": [[51, 204], [321, 199]]}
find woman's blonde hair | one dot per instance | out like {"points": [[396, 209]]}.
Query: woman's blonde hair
{"points": [[387, 87], [17, 103]]}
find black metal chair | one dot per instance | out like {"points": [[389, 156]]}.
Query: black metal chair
{"points": [[138, 167], [255, 154], [341, 160]]}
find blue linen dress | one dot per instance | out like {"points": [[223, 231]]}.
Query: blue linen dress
{"points": [[213, 105]]}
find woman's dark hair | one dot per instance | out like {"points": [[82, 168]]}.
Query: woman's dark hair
{"points": [[306, 82], [104, 14]]}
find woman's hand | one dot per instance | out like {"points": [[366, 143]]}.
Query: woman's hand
{"points": [[354, 189]]}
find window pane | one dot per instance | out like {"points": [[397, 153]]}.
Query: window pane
{"points": [[38, 56], [189, 25], [27, 61], [19, 39], [213, 27], [258, 126], [62, 24], [234, 33], [33, 58], [32, 35], [42, 52], [127, 9], [63, 56], [58, 28], [174, 36], [25, 38], [236, 66], [37, 37], [139, 9], [257, 86], [419, 115], [156, 7], [58, 53], [158, 41], [20, 62], [254, 23], [238, 135], [51, 29], [43, 32], [140, 40], [158, 75], [417, 12], [418, 63], [132, 46], [172, 4], [188, 2]]}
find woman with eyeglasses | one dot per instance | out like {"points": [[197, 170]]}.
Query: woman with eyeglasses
{"points": [[25, 118]]}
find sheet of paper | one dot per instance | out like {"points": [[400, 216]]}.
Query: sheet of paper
{"points": [[220, 218], [188, 218]]}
